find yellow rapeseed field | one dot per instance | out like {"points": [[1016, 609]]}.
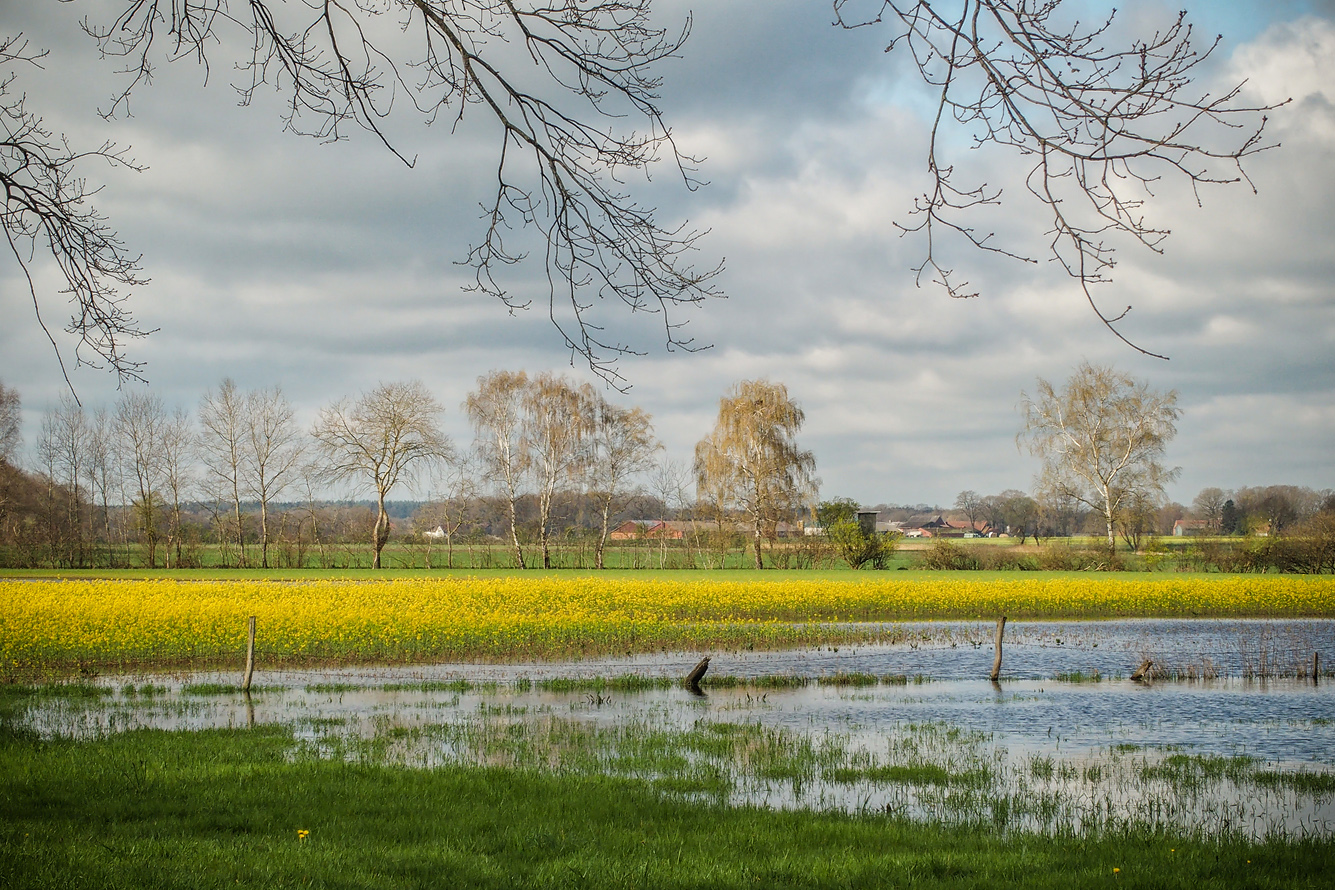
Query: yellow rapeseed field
{"points": [[64, 625]]}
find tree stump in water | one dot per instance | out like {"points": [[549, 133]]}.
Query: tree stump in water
{"points": [[697, 674]]}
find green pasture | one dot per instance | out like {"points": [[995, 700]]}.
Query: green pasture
{"points": [[683, 575], [253, 808], [792, 554]]}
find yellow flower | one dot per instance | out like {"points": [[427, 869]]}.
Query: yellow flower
{"points": [[1116, 870], [302, 834]]}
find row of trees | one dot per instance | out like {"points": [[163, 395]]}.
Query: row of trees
{"points": [[1271, 510], [537, 440], [543, 441]]}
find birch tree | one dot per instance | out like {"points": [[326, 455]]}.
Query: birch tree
{"points": [[10, 422], [100, 469], [496, 412], [557, 423], [621, 445], [1101, 438], [178, 447]]}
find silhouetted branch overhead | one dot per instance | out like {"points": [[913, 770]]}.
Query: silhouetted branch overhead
{"points": [[569, 93], [1101, 123], [48, 206], [566, 138]]}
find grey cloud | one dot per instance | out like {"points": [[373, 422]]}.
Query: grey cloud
{"points": [[327, 268]]}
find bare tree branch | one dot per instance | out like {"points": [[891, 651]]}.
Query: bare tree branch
{"points": [[563, 152], [48, 206], [1102, 124]]}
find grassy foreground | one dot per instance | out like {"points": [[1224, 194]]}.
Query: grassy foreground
{"points": [[97, 625], [152, 809]]}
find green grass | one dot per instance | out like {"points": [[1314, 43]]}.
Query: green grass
{"points": [[620, 683], [154, 809], [224, 689]]}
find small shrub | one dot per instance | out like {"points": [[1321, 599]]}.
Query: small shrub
{"points": [[945, 556]]}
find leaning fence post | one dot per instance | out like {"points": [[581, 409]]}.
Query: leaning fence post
{"points": [[250, 656], [996, 662], [1316, 668]]}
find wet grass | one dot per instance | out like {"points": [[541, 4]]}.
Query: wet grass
{"points": [[622, 683], [154, 809], [71, 691], [224, 689], [931, 772], [912, 774], [1079, 677]]}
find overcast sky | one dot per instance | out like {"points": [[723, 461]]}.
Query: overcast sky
{"points": [[328, 268]]}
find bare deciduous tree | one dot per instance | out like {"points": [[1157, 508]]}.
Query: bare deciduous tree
{"points": [[668, 483], [557, 421], [140, 423], [454, 488], [1101, 438], [752, 458], [621, 445], [62, 447], [1101, 121], [565, 139], [387, 436], [971, 504], [11, 418], [178, 445], [100, 467], [273, 453], [496, 411], [1209, 506], [222, 439]]}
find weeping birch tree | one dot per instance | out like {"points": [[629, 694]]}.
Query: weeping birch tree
{"points": [[1101, 438], [389, 435], [753, 460]]}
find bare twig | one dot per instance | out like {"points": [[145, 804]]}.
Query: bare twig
{"points": [[1101, 123]]}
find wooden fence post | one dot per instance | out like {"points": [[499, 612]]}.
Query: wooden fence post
{"points": [[250, 656], [996, 662], [1316, 668]]}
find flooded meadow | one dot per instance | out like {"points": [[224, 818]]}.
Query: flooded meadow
{"points": [[1232, 734]]}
